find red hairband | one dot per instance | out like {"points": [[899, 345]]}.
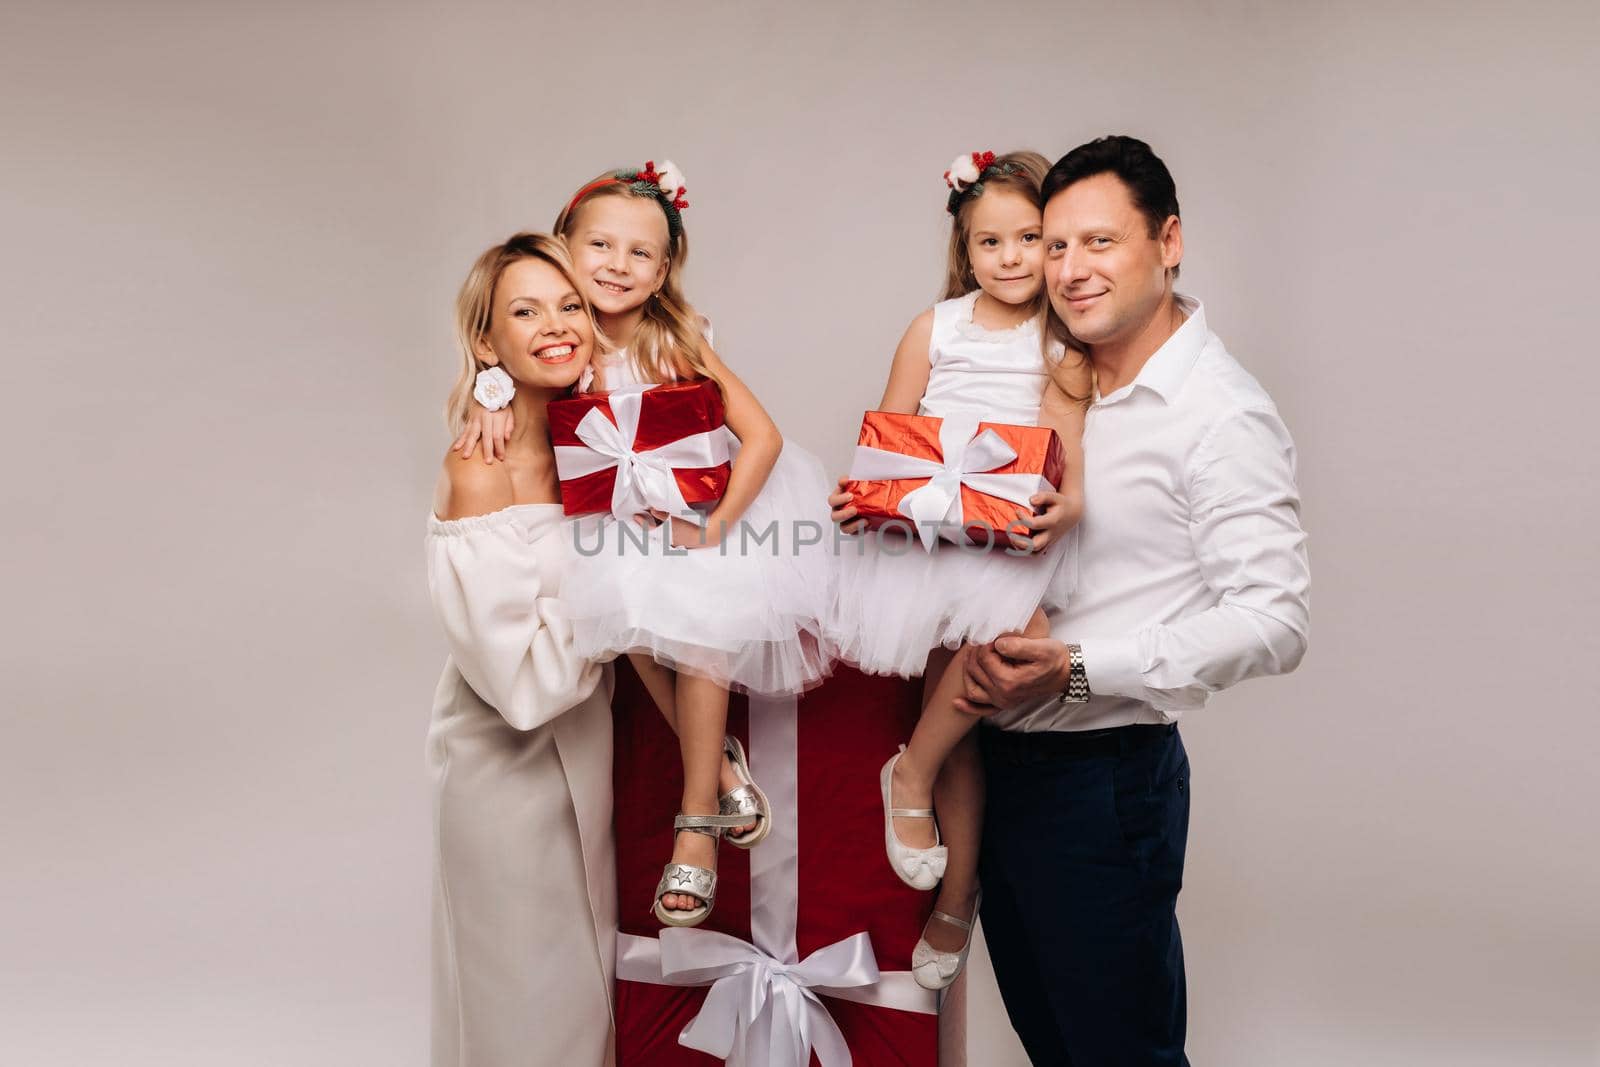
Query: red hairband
{"points": [[591, 187], [665, 185]]}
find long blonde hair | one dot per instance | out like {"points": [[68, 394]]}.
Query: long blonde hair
{"points": [[670, 333], [1021, 172], [475, 310]]}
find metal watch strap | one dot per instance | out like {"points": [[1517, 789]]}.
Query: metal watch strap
{"points": [[1077, 690]]}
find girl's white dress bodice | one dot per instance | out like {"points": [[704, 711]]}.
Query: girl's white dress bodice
{"points": [[617, 369], [998, 374], [614, 370]]}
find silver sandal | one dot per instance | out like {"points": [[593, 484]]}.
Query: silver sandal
{"points": [[747, 801], [687, 879]]}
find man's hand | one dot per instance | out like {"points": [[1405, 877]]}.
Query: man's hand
{"points": [[1013, 670]]}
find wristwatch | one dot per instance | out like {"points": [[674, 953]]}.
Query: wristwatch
{"points": [[1077, 690]]}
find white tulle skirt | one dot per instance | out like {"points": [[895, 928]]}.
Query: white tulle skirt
{"points": [[749, 613], [897, 601]]}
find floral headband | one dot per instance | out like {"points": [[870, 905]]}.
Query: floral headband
{"points": [[965, 176], [666, 185]]}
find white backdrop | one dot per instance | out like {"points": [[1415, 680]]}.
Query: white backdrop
{"points": [[232, 236]]}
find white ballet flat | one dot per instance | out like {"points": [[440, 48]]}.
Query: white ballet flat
{"points": [[919, 868], [937, 970]]}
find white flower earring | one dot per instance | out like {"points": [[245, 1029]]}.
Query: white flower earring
{"points": [[493, 388]]}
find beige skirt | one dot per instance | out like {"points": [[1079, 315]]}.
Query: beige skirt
{"points": [[524, 893]]}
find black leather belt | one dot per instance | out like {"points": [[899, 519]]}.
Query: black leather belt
{"points": [[1046, 746]]}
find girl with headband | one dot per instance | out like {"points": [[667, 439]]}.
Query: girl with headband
{"points": [[982, 351], [701, 609]]}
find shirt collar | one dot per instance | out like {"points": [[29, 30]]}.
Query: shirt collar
{"points": [[1165, 372]]}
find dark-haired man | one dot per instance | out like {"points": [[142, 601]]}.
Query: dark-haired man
{"points": [[1192, 575]]}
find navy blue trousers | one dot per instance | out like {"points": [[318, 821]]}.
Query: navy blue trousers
{"points": [[1081, 866]]}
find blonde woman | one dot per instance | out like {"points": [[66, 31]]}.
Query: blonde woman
{"points": [[519, 748]]}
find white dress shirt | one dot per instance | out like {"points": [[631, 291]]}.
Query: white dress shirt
{"points": [[1192, 570]]}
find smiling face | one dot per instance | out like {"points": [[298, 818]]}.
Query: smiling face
{"points": [[1005, 245], [619, 245], [539, 330], [1105, 272]]}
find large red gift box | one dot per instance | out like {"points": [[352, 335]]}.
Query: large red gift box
{"points": [[813, 904], [956, 477], [640, 447]]}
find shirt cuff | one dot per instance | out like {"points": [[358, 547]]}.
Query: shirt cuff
{"points": [[1112, 665]]}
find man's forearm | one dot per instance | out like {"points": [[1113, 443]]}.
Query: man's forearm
{"points": [[1176, 667]]}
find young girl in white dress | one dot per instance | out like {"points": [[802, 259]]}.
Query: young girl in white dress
{"points": [[905, 610], [738, 600]]}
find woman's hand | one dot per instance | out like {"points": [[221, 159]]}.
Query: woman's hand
{"points": [[1053, 515], [844, 512], [492, 428]]}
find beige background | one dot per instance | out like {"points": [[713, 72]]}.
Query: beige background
{"points": [[232, 233]]}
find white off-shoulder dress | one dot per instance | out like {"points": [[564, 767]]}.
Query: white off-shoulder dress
{"points": [[519, 750]]}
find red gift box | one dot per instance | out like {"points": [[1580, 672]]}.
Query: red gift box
{"points": [[640, 447], [958, 478], [818, 890]]}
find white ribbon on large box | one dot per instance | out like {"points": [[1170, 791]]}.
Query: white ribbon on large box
{"points": [[764, 1008], [969, 457], [645, 480]]}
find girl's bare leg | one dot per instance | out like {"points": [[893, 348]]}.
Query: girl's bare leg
{"points": [[938, 731], [702, 723], [958, 795], [958, 798], [661, 682]]}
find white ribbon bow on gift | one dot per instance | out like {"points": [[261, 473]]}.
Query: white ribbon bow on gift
{"points": [[935, 509], [759, 1010], [645, 480]]}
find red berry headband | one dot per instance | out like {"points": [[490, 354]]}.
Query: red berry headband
{"points": [[665, 185], [965, 176]]}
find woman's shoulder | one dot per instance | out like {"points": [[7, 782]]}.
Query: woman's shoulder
{"points": [[470, 486]]}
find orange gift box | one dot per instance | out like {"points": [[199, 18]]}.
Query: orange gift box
{"points": [[990, 493]]}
